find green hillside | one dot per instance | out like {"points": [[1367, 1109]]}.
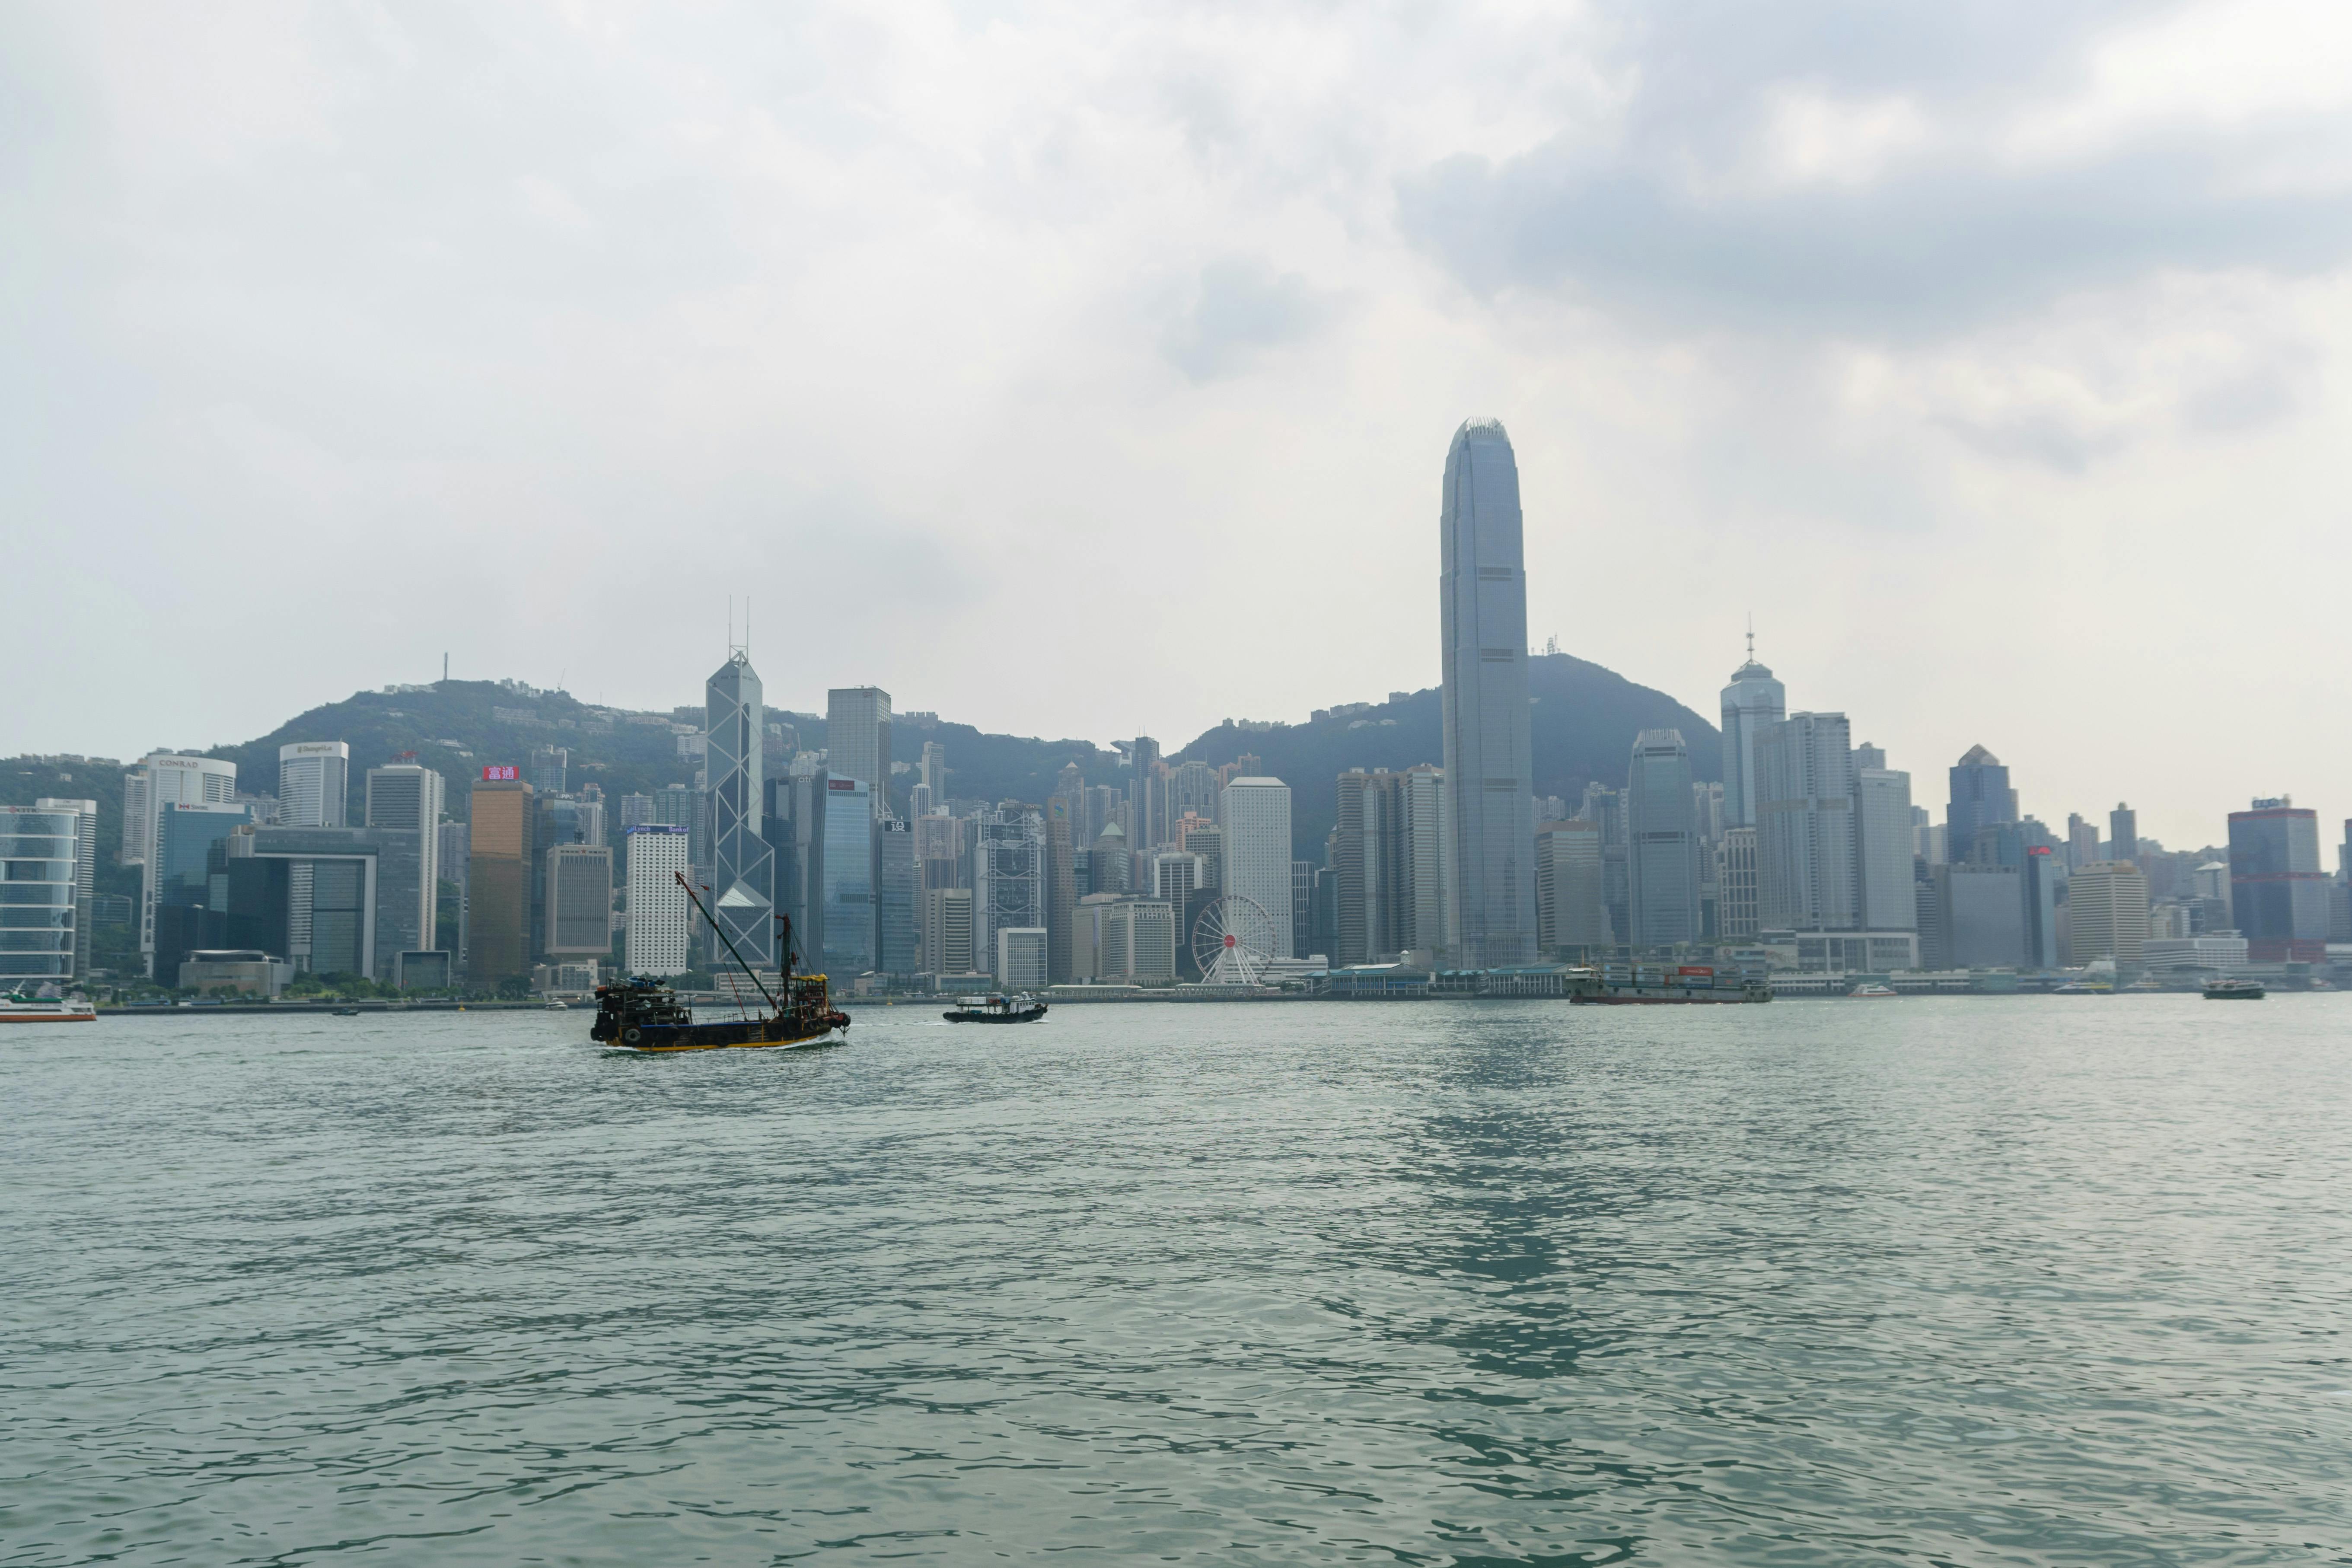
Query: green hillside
{"points": [[1584, 717]]}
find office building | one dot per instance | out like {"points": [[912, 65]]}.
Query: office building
{"points": [[1302, 908], [2082, 841], [157, 782], [1020, 957], [1883, 849], [1752, 700], [2106, 914], [407, 798], [1488, 760], [1256, 816], [857, 739], [2123, 833], [1387, 855], [1174, 874], [1571, 910], [660, 939], [1147, 794], [1120, 940], [1008, 874], [1662, 842], [48, 852], [742, 865], [1804, 830], [846, 879], [896, 951], [364, 881], [934, 771], [947, 930], [314, 783], [1978, 916], [549, 766], [1739, 905], [1981, 797], [2278, 894], [579, 903], [1204, 838], [498, 878], [1109, 862]]}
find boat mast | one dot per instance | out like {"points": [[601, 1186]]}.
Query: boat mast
{"points": [[725, 938]]}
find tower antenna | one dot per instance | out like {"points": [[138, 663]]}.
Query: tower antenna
{"points": [[1751, 636]]}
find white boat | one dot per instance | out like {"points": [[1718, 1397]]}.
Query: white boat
{"points": [[1872, 990], [15, 1008]]}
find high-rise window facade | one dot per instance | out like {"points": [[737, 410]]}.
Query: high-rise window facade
{"points": [[1981, 797], [1805, 838], [45, 897], [1883, 867], [742, 863], [1662, 842], [1489, 763], [1752, 700], [857, 739], [1256, 813], [846, 879], [661, 922], [2278, 893]]}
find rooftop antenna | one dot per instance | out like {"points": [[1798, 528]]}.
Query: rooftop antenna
{"points": [[1751, 636], [445, 666]]}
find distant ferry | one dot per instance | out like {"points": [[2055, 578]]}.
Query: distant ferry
{"points": [[1645, 984], [2232, 989], [1872, 990], [995, 1010], [15, 1008]]}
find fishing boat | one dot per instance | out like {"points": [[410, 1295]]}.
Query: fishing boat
{"points": [[2231, 989], [645, 1014], [18, 1007], [995, 1010]]}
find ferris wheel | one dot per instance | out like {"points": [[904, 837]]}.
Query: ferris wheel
{"points": [[1234, 942]]}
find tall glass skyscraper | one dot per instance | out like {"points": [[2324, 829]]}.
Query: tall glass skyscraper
{"points": [[847, 880], [743, 867], [1483, 600], [1981, 797], [1752, 700], [1662, 840], [857, 739]]}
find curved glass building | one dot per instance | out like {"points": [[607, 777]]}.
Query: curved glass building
{"points": [[1489, 770]]}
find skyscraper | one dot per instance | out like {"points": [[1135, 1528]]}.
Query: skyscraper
{"points": [[45, 919], [314, 783], [579, 902], [935, 771], [158, 781], [1752, 700], [858, 739], [895, 948], [1981, 798], [1662, 841], [1256, 813], [498, 863], [661, 922], [742, 865], [1387, 859], [1888, 898], [1571, 913], [2106, 913], [2082, 841], [2123, 833], [846, 879], [1489, 764], [549, 767], [1147, 796], [2277, 891], [1804, 829], [404, 800]]}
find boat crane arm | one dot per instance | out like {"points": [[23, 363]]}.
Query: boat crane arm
{"points": [[773, 1004]]}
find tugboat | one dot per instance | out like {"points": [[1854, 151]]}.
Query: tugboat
{"points": [[2231, 989], [995, 1010], [645, 1014]]}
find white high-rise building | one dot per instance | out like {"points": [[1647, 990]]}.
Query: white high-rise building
{"points": [[1257, 820], [163, 779], [1882, 840], [1752, 700], [1805, 838], [313, 780], [579, 902], [661, 922], [1489, 761]]}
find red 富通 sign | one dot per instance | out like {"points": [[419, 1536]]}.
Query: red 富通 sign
{"points": [[502, 774]]}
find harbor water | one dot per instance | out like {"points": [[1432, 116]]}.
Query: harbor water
{"points": [[2014, 1280]]}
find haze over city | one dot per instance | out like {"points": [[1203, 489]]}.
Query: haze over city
{"points": [[1078, 372]]}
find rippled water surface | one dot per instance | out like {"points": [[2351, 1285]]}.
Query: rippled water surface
{"points": [[2017, 1281]]}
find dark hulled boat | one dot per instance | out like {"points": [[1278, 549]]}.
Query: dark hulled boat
{"points": [[995, 1010], [645, 1015]]}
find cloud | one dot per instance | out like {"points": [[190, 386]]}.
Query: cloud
{"points": [[1239, 307]]}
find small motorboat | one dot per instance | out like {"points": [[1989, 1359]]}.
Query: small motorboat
{"points": [[995, 1010], [1872, 990], [347, 1012], [2231, 989]]}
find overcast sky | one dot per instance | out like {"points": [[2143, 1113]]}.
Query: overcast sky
{"points": [[1087, 370]]}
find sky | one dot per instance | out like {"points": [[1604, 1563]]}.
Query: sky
{"points": [[1087, 369]]}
